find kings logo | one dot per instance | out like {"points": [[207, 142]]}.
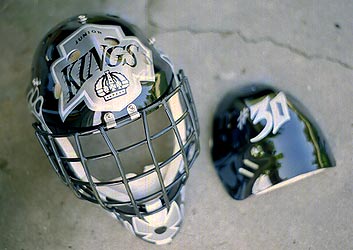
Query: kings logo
{"points": [[101, 66], [111, 85]]}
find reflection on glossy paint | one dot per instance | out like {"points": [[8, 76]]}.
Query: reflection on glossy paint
{"points": [[247, 167]]}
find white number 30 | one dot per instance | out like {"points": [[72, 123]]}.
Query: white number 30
{"points": [[274, 112]]}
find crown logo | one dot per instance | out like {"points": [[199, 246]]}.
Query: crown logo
{"points": [[111, 85]]}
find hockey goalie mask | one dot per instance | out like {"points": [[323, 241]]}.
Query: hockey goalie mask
{"points": [[116, 122]]}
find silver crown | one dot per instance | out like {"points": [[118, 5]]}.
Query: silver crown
{"points": [[111, 85]]}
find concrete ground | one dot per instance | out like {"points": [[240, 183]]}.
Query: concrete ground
{"points": [[303, 47]]}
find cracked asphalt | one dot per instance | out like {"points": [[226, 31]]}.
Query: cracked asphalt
{"points": [[302, 47]]}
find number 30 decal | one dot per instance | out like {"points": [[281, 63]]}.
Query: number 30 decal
{"points": [[274, 112]]}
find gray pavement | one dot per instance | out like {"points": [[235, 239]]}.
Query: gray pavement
{"points": [[303, 47]]}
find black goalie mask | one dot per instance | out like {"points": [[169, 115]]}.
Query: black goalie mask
{"points": [[263, 137], [116, 122]]}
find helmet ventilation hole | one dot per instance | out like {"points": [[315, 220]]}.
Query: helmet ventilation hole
{"points": [[74, 55], [111, 41], [57, 90], [160, 230]]}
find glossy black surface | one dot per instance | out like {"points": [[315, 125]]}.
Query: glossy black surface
{"points": [[297, 148], [82, 117], [79, 124]]}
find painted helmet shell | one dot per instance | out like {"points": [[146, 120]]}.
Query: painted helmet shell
{"points": [[263, 137], [117, 123]]}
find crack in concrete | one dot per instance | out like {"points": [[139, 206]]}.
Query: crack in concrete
{"points": [[262, 40], [5, 5], [150, 21], [293, 49], [246, 39]]}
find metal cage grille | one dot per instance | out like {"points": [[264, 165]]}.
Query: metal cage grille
{"points": [[188, 150]]}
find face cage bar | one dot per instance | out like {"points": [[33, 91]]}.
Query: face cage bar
{"points": [[88, 190]]}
